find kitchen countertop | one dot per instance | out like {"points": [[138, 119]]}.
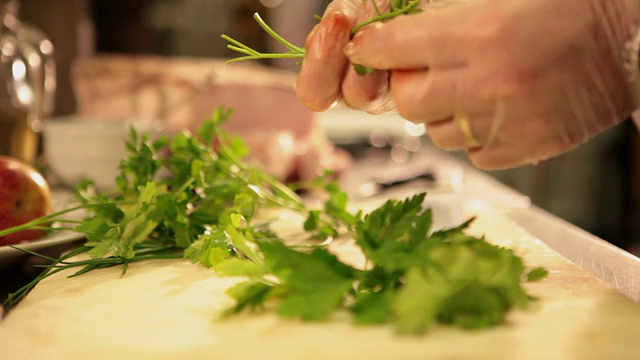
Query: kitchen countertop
{"points": [[167, 309]]}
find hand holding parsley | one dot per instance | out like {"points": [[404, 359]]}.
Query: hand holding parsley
{"points": [[511, 82], [327, 75]]}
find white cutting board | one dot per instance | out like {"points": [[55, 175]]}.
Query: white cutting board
{"points": [[167, 310]]}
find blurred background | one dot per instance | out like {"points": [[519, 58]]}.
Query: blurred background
{"points": [[596, 187]]}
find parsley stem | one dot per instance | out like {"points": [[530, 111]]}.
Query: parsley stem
{"points": [[403, 10], [183, 187], [51, 218], [251, 54], [275, 184], [242, 50], [239, 45], [23, 291], [40, 221], [376, 8], [300, 52], [267, 56], [276, 36], [34, 253], [68, 221], [61, 264], [58, 228]]}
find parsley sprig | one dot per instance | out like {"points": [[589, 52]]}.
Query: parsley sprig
{"points": [[398, 7], [414, 278], [193, 196], [294, 52], [176, 195]]}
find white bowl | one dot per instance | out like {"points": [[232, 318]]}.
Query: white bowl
{"points": [[78, 148]]}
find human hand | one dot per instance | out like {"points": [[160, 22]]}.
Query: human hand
{"points": [[513, 82], [326, 75]]}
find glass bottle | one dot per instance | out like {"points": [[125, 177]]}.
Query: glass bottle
{"points": [[27, 83]]}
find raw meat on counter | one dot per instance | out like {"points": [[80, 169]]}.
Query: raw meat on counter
{"points": [[178, 93]]}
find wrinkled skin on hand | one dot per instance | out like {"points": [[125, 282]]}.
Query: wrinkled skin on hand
{"points": [[533, 78]]}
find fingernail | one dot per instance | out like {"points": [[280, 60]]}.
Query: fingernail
{"points": [[351, 49], [331, 33], [311, 35]]}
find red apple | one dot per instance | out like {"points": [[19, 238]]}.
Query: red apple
{"points": [[24, 196]]}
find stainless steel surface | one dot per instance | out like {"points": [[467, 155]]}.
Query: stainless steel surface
{"points": [[616, 267]]}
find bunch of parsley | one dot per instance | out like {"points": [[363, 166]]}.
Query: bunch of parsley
{"points": [[194, 196], [174, 197], [413, 278]]}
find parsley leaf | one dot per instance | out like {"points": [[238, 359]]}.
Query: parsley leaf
{"points": [[312, 284]]}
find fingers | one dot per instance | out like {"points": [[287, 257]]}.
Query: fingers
{"points": [[326, 76], [423, 95], [493, 142], [484, 150], [369, 93], [433, 95], [495, 160], [460, 132], [434, 38], [350, 8], [504, 156], [319, 81]]}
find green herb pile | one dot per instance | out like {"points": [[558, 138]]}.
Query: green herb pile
{"points": [[397, 8], [183, 197]]}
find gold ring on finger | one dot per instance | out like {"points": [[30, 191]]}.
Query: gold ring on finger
{"points": [[465, 128]]}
